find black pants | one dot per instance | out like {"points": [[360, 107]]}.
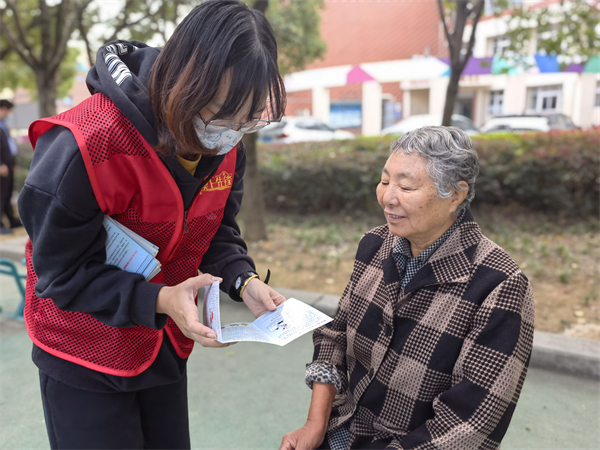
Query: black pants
{"points": [[6, 190], [155, 418]]}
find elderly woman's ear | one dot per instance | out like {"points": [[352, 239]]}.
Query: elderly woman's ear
{"points": [[459, 196]]}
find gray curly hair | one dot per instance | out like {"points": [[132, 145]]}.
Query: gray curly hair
{"points": [[451, 158]]}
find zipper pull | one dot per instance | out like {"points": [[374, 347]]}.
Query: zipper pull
{"points": [[185, 223]]}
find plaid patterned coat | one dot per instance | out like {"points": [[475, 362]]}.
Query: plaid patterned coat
{"points": [[439, 365]]}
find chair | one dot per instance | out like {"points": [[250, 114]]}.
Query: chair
{"points": [[7, 267]]}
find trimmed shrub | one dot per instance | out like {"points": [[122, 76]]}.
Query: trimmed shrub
{"points": [[555, 172], [323, 176]]}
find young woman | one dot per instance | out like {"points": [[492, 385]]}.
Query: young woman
{"points": [[158, 148]]}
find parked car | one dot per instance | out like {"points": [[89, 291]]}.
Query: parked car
{"points": [[528, 122], [429, 120], [300, 129]]}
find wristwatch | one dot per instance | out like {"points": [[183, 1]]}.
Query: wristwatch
{"points": [[242, 281]]}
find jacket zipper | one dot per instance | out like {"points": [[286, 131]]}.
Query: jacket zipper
{"points": [[185, 212]]}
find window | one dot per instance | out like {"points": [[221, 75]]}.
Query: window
{"points": [[499, 43], [490, 7], [496, 100], [550, 35], [345, 114], [545, 99], [597, 102]]}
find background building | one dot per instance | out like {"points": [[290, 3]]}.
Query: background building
{"points": [[388, 60], [357, 84]]}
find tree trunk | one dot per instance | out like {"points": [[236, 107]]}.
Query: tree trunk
{"points": [[253, 206], [47, 85], [451, 94]]}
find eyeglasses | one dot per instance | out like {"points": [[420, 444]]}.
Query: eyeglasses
{"points": [[222, 125]]}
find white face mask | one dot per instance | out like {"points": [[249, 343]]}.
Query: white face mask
{"points": [[226, 140]]}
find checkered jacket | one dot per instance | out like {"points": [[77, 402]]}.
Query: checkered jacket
{"points": [[439, 365]]}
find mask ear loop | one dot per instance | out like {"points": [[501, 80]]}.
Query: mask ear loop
{"points": [[267, 277]]}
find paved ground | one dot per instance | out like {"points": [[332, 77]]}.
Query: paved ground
{"points": [[248, 395]]}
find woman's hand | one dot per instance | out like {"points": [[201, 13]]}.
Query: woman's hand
{"points": [[260, 298], [178, 302], [309, 437]]}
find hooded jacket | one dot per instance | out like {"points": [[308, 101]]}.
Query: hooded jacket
{"points": [[64, 221]]}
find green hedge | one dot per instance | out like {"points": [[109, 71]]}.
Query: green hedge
{"points": [[550, 172], [557, 173]]}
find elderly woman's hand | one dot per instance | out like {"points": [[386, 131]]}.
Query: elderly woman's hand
{"points": [[260, 298], [309, 437]]}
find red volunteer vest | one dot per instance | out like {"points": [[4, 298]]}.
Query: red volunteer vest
{"points": [[132, 185]]}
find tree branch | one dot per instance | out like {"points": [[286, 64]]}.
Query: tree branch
{"points": [[125, 24], [20, 43], [5, 52], [441, 8], [47, 51], [83, 33], [17, 46], [459, 28], [60, 15], [478, 10], [70, 23]]}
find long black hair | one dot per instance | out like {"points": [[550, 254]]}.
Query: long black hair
{"points": [[216, 36]]}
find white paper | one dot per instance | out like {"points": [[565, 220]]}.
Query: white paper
{"points": [[211, 310], [289, 321], [127, 253], [242, 331]]}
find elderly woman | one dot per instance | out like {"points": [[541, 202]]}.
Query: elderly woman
{"points": [[431, 344]]}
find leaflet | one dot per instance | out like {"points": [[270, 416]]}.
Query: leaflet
{"points": [[149, 246], [289, 321], [129, 251]]}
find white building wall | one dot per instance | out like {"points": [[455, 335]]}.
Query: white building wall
{"points": [[321, 103], [578, 95], [419, 102], [437, 95], [515, 94], [585, 114], [490, 27], [372, 108], [480, 106], [406, 103]]}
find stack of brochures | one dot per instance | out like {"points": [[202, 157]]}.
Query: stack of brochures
{"points": [[129, 251]]}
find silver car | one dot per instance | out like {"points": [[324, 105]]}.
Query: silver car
{"points": [[528, 122], [429, 120], [300, 129]]}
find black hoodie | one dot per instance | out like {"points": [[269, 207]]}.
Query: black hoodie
{"points": [[60, 212]]}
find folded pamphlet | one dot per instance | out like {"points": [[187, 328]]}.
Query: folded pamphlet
{"points": [[289, 321], [129, 251]]}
